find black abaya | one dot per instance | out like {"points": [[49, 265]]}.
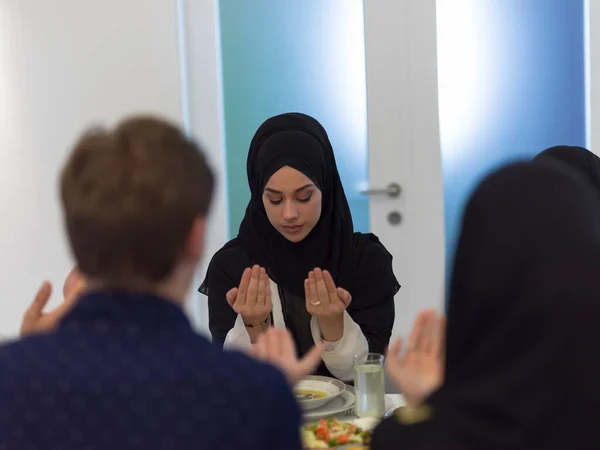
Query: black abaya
{"points": [[522, 365]]}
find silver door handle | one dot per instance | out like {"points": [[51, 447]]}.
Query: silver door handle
{"points": [[392, 190]]}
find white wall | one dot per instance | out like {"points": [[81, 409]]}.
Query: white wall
{"points": [[66, 64]]}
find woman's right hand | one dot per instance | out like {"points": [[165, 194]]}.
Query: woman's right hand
{"points": [[252, 300]]}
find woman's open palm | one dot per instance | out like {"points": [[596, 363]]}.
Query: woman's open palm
{"points": [[252, 300], [419, 370]]}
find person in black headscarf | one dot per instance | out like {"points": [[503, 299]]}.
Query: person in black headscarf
{"points": [[521, 354], [578, 159], [296, 261]]}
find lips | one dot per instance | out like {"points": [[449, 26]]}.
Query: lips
{"points": [[292, 228]]}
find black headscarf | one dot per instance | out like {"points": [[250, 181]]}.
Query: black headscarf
{"points": [[300, 142], [578, 159], [526, 276]]}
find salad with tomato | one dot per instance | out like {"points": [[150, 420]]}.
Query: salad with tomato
{"points": [[332, 433]]}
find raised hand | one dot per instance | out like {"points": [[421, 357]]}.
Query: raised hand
{"points": [[419, 371], [326, 302], [277, 347], [36, 321], [252, 300]]}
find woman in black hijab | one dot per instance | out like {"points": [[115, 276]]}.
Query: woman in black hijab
{"points": [[296, 261], [579, 159], [521, 362]]}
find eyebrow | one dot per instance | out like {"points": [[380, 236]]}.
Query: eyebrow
{"points": [[274, 191]]}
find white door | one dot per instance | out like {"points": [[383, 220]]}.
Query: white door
{"points": [[404, 149], [307, 56]]}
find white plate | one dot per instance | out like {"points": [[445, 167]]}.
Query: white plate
{"points": [[338, 405]]}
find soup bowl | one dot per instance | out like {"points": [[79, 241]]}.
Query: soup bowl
{"points": [[316, 391]]}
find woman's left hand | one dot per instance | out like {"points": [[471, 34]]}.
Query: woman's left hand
{"points": [[419, 371], [326, 302], [277, 348]]}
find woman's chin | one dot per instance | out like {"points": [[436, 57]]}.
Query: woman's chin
{"points": [[293, 236]]}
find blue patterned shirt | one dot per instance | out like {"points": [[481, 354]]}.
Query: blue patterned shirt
{"points": [[126, 371]]}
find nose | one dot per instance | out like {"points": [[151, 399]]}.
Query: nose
{"points": [[290, 211]]}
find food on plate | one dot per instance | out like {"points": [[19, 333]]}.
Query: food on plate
{"points": [[309, 394], [331, 433]]}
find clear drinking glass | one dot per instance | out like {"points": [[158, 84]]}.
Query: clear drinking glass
{"points": [[369, 385]]}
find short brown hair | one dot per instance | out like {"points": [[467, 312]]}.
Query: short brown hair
{"points": [[130, 198]]}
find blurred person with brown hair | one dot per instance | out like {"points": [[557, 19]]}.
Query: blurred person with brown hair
{"points": [[121, 367]]}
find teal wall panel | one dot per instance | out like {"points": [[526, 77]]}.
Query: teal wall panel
{"points": [[295, 55]]}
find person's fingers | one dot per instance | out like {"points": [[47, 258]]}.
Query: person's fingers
{"points": [[261, 290], [33, 315], [415, 334], [273, 340], [71, 281], [40, 300], [396, 364], [394, 356], [314, 296], [337, 303], [252, 295], [322, 292], [69, 302], [429, 333], [329, 283], [309, 362], [76, 292], [287, 347], [231, 296], [268, 303], [307, 295], [344, 296], [254, 351], [440, 343], [260, 348], [243, 289], [395, 348]]}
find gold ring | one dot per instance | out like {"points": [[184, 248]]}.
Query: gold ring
{"points": [[317, 303]]}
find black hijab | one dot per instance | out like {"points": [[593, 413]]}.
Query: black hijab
{"points": [[300, 142], [578, 159], [526, 277]]}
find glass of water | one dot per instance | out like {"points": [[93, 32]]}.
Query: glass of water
{"points": [[369, 385]]}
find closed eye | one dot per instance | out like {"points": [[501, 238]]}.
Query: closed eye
{"points": [[305, 199]]}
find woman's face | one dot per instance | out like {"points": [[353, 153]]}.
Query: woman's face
{"points": [[293, 203]]}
